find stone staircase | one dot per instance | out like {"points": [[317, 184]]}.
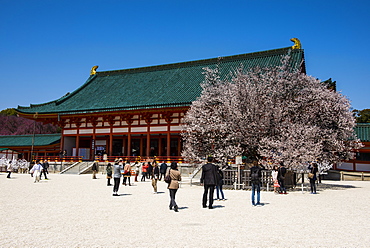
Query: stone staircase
{"points": [[78, 168]]}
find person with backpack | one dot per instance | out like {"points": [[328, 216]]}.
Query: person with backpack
{"points": [[256, 176]]}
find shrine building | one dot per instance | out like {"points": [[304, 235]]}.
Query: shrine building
{"points": [[138, 112]]}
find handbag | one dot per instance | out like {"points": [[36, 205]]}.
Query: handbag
{"points": [[276, 184], [310, 175], [167, 178]]}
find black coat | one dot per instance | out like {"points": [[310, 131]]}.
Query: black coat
{"points": [[209, 176], [258, 170], [281, 173], [163, 168]]}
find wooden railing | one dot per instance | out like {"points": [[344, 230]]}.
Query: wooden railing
{"points": [[158, 159], [63, 159]]}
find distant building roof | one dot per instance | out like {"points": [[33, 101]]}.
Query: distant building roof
{"points": [[26, 140], [170, 85], [363, 131]]}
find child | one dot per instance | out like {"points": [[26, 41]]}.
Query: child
{"points": [[274, 174]]}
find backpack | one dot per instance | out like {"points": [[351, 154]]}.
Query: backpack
{"points": [[254, 176]]}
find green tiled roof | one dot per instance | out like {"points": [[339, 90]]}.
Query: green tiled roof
{"points": [[363, 131], [169, 85], [26, 140]]}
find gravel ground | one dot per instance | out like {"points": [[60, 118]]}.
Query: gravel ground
{"points": [[77, 211]]}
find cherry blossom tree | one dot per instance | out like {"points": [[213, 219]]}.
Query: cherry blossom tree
{"points": [[10, 124], [271, 114]]}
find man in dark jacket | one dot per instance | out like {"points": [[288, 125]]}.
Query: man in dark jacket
{"points": [[256, 176], [209, 180], [163, 170], [45, 167]]}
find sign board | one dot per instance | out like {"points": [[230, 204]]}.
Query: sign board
{"points": [[238, 159]]}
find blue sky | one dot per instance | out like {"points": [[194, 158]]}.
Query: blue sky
{"points": [[47, 48]]}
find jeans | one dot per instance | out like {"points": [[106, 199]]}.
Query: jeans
{"points": [[125, 178], [43, 171], [154, 184], [313, 185], [162, 174], [282, 186], [116, 184], [143, 175], [211, 189], [256, 186], [219, 189], [172, 198]]}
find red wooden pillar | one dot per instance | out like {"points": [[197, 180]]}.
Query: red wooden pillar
{"points": [[148, 143], [110, 144], [129, 143], [77, 143], [168, 141]]}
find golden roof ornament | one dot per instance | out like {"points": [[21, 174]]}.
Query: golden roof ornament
{"points": [[297, 43], [93, 70]]}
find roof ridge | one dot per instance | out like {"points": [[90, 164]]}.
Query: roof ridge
{"points": [[197, 62]]}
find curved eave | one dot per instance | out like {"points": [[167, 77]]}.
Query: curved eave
{"points": [[112, 109]]}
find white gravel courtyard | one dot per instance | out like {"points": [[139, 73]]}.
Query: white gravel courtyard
{"points": [[77, 211]]}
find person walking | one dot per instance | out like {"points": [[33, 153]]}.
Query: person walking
{"points": [[274, 175], [220, 182], [45, 167], [109, 174], [94, 170], [155, 176], [117, 168], [256, 176], [209, 180], [137, 170], [127, 174], [281, 178], [144, 169], [36, 170], [149, 170], [9, 169], [162, 170], [173, 186], [312, 176]]}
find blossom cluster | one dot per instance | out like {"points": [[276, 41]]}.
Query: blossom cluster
{"points": [[274, 114]]}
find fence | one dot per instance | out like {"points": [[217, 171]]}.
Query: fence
{"points": [[231, 179]]}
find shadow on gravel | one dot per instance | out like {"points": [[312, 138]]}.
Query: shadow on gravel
{"points": [[324, 186], [218, 206]]}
